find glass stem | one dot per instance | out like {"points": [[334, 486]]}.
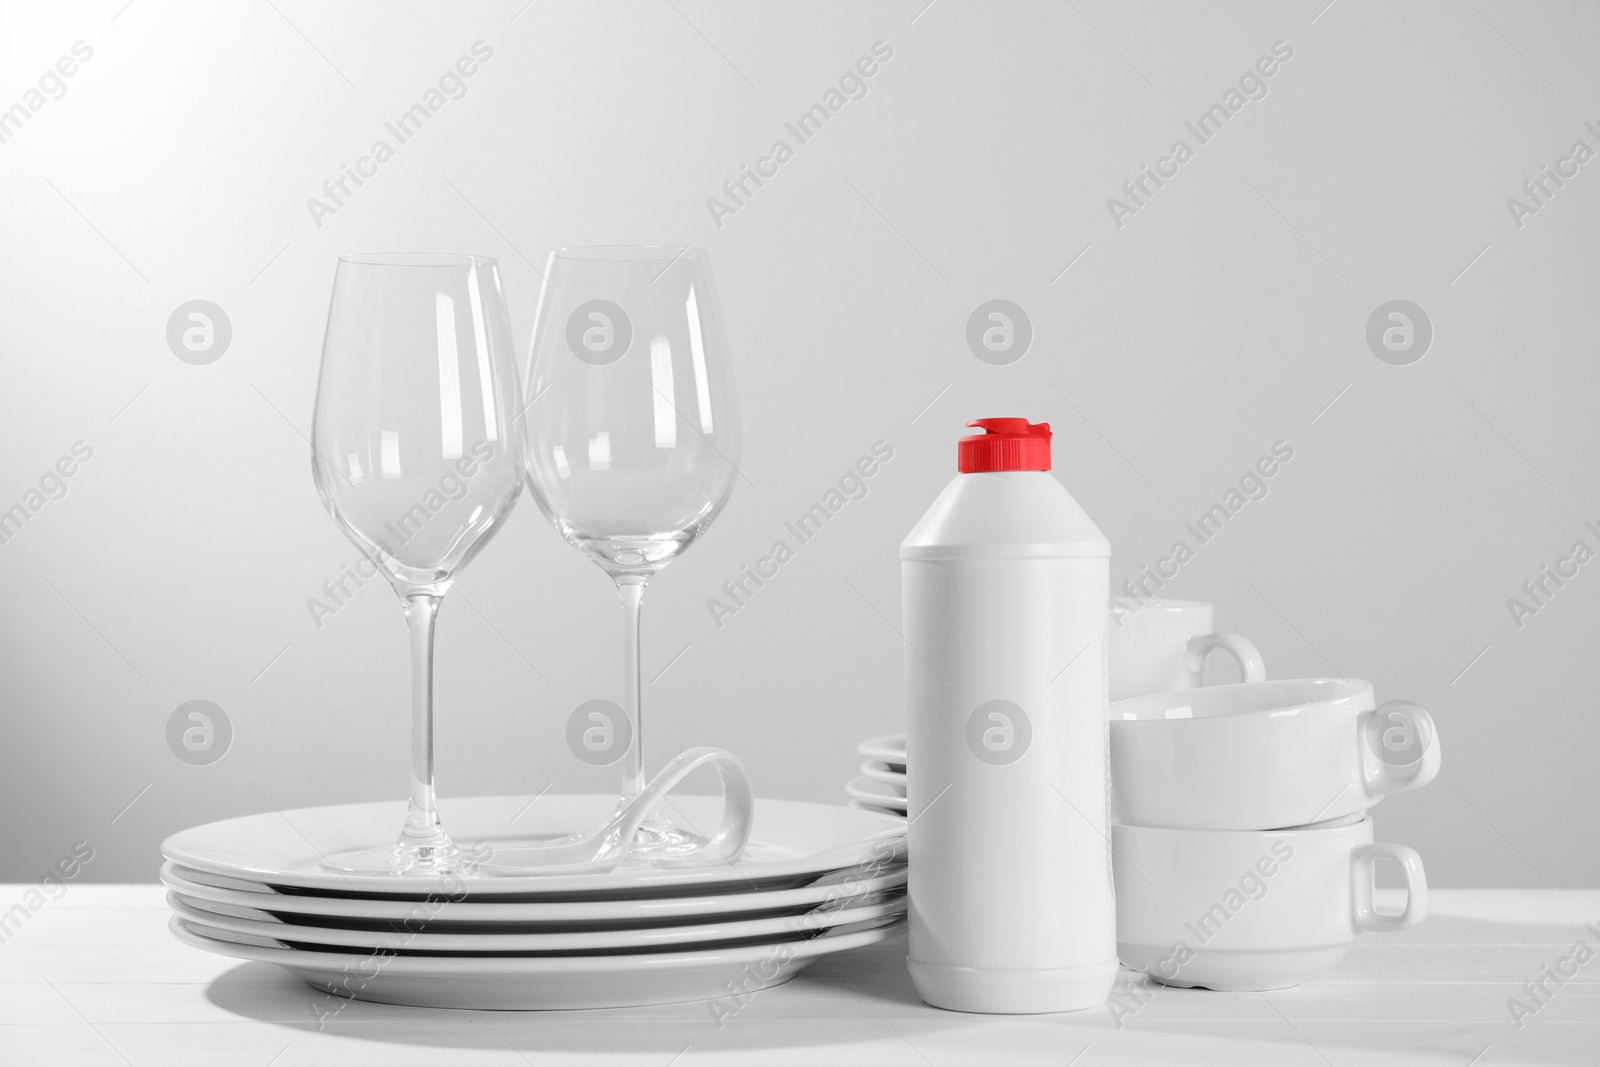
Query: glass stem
{"points": [[422, 828], [631, 588]]}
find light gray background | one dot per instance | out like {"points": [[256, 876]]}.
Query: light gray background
{"points": [[1227, 315]]}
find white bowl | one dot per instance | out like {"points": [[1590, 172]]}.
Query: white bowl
{"points": [[1259, 755], [1251, 909]]}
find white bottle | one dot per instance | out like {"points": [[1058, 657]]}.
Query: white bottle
{"points": [[1005, 585]]}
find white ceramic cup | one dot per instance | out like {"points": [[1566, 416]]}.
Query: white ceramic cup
{"points": [[1260, 755], [1163, 645], [1252, 909]]}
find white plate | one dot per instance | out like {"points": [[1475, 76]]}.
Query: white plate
{"points": [[547, 982], [878, 794], [890, 748], [791, 841], [879, 771], [861, 805], [850, 883], [522, 938]]}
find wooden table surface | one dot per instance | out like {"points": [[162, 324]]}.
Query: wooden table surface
{"points": [[95, 978]]}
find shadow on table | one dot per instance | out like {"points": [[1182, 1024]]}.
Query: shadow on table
{"points": [[1415, 998]]}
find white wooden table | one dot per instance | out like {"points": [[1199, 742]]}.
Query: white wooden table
{"points": [[95, 978]]}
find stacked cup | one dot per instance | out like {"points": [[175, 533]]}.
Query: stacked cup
{"points": [[1242, 848]]}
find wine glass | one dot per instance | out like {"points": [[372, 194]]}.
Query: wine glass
{"points": [[632, 451], [417, 455]]}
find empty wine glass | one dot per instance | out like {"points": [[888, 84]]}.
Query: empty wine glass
{"points": [[416, 454], [632, 448]]}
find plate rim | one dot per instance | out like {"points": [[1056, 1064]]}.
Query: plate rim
{"points": [[879, 772], [399, 966], [859, 792], [845, 856], [426, 942], [877, 810], [470, 910], [881, 747]]}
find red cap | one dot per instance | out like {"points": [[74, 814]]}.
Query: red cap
{"points": [[1006, 445]]}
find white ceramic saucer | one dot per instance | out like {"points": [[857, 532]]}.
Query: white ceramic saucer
{"points": [[791, 842], [890, 748], [877, 794], [501, 938], [547, 982], [830, 888], [879, 771]]}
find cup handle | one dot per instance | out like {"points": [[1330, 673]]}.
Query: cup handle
{"points": [[1396, 730], [738, 807], [1363, 858], [1244, 652]]}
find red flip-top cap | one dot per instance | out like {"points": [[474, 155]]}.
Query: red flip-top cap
{"points": [[1005, 445]]}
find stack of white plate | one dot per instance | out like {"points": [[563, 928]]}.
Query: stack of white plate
{"points": [[881, 787], [814, 879]]}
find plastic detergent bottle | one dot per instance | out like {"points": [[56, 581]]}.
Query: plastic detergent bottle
{"points": [[1005, 583]]}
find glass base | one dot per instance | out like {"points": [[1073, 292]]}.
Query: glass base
{"points": [[407, 856]]}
